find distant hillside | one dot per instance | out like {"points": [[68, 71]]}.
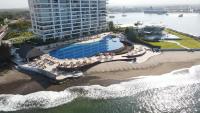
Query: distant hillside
{"points": [[172, 8]]}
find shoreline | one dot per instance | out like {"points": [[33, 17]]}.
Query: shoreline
{"points": [[15, 82]]}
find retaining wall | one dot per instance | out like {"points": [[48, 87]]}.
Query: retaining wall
{"points": [[189, 50]]}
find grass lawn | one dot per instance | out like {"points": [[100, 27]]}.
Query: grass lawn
{"points": [[165, 45], [11, 35], [186, 40]]}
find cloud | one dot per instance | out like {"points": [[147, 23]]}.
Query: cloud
{"points": [[24, 3]]}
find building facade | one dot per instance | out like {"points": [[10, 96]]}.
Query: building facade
{"points": [[67, 18]]}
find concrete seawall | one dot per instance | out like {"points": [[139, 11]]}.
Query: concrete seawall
{"points": [[39, 71], [189, 50]]}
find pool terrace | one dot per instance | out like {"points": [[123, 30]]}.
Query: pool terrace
{"points": [[60, 69]]}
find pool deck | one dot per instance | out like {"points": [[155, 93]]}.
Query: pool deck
{"points": [[61, 69], [115, 63]]}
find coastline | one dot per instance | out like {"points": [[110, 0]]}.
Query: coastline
{"points": [[15, 82]]}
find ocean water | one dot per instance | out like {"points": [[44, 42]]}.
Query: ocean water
{"points": [[175, 92], [189, 23]]}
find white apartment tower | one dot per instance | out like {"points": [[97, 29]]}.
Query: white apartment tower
{"points": [[67, 18]]}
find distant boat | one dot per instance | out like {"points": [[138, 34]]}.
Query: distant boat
{"points": [[124, 15], [123, 12], [111, 16], [181, 15]]}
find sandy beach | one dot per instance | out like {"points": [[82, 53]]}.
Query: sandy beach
{"points": [[15, 82]]}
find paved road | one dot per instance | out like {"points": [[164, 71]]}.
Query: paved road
{"points": [[177, 43]]}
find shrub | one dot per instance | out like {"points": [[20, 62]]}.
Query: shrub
{"points": [[11, 35]]}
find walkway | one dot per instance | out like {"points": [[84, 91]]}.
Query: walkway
{"points": [[122, 65], [177, 43]]}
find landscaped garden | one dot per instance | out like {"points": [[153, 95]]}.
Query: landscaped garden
{"points": [[18, 32], [185, 40], [165, 45]]}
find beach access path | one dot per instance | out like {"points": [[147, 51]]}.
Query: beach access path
{"points": [[142, 63], [121, 65], [177, 43]]}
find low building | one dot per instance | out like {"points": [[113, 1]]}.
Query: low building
{"points": [[156, 33], [28, 52], [153, 30], [165, 36]]}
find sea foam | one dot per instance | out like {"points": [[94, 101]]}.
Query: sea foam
{"points": [[50, 99]]}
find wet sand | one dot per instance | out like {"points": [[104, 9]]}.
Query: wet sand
{"points": [[15, 82]]}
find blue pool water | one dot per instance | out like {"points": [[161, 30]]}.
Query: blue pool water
{"points": [[81, 50]]}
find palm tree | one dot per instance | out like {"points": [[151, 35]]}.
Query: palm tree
{"points": [[111, 26]]}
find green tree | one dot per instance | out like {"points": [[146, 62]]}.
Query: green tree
{"points": [[131, 34], [1, 21], [20, 26], [111, 26], [11, 35]]}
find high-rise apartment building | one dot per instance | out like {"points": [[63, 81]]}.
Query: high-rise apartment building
{"points": [[67, 18]]}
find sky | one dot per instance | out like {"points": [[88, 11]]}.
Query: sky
{"points": [[6, 4]]}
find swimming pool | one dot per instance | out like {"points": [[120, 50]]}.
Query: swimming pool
{"points": [[81, 50]]}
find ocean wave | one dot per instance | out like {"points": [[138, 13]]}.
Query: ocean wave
{"points": [[49, 99]]}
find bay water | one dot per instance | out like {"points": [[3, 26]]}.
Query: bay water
{"points": [[189, 23]]}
